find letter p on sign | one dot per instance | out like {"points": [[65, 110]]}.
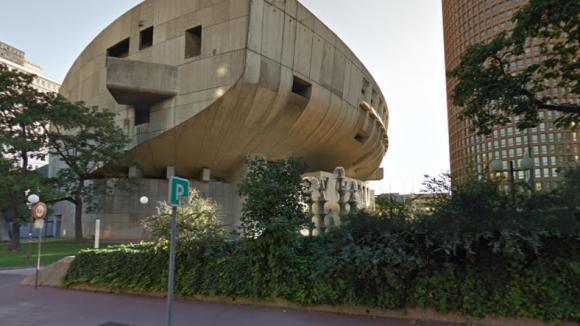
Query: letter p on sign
{"points": [[178, 192]]}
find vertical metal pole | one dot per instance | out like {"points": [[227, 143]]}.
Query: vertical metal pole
{"points": [[38, 258], [171, 281], [29, 238], [143, 232], [97, 233], [531, 178], [512, 179]]}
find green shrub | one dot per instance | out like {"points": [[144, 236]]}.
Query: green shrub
{"points": [[519, 256]]}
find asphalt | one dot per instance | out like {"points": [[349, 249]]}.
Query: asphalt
{"points": [[23, 306]]}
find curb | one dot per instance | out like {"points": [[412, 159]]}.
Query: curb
{"points": [[427, 315]]}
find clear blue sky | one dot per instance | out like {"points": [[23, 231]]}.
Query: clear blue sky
{"points": [[399, 41]]}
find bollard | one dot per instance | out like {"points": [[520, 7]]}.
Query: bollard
{"points": [[97, 232]]}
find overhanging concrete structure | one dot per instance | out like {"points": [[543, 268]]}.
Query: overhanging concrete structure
{"points": [[200, 85]]}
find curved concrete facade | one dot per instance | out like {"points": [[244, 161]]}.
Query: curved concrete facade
{"points": [[199, 85]]}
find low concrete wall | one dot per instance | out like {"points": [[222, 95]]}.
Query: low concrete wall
{"points": [[51, 275]]}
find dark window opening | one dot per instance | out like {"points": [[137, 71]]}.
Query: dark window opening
{"points": [[365, 84], [142, 116], [146, 38], [361, 136], [119, 50], [301, 87], [193, 42], [374, 99]]}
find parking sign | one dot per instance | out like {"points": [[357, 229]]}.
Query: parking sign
{"points": [[178, 192]]}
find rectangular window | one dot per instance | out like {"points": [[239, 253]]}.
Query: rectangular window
{"points": [[193, 42], [146, 38], [301, 87], [119, 50], [142, 116]]}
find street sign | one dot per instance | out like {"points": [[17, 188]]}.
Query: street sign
{"points": [[178, 192], [39, 224], [39, 211]]}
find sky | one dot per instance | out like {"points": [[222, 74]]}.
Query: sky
{"points": [[399, 41]]}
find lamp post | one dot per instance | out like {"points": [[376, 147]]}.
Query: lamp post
{"points": [[32, 200], [144, 200], [526, 163]]}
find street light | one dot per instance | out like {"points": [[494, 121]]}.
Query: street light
{"points": [[144, 200], [32, 200], [526, 164]]}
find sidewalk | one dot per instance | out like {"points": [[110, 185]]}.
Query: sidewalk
{"points": [[23, 306]]}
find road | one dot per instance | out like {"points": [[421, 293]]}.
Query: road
{"points": [[23, 306]]}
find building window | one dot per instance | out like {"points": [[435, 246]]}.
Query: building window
{"points": [[361, 136], [193, 42], [146, 38], [142, 116], [119, 50], [301, 87]]}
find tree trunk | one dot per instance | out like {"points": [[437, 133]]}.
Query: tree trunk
{"points": [[4, 236], [79, 213], [15, 241]]}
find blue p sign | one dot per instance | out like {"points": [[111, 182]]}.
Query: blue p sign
{"points": [[178, 192]]}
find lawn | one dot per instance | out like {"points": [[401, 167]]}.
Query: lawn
{"points": [[52, 251]]}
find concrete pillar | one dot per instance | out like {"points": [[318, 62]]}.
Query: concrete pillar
{"points": [[237, 202], [170, 171]]}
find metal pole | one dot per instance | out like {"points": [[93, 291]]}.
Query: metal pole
{"points": [[171, 281], [143, 233], [512, 172], [531, 178], [97, 233], [29, 238], [38, 258]]}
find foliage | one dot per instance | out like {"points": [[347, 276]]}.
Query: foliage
{"points": [[273, 215], [506, 255], [491, 90], [89, 143], [273, 194], [21, 139], [200, 220], [34, 124]]}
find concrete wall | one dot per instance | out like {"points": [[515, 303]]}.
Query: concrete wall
{"points": [[121, 214]]}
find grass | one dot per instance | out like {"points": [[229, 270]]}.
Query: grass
{"points": [[52, 251]]}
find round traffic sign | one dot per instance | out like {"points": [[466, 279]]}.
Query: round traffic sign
{"points": [[39, 211]]}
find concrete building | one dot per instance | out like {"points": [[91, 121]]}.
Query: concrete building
{"points": [[200, 85], [15, 59], [468, 22], [415, 203]]}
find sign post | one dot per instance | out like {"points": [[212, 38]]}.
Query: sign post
{"points": [[39, 212], [178, 197]]}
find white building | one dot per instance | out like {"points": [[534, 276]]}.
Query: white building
{"points": [[14, 59]]}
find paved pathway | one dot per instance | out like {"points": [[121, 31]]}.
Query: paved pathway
{"points": [[23, 306]]}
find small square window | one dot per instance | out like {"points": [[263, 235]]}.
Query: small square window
{"points": [[146, 38], [142, 116], [301, 87]]}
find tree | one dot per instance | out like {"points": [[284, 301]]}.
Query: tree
{"points": [[490, 88], [273, 215], [90, 145], [21, 138], [201, 219], [274, 194]]}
